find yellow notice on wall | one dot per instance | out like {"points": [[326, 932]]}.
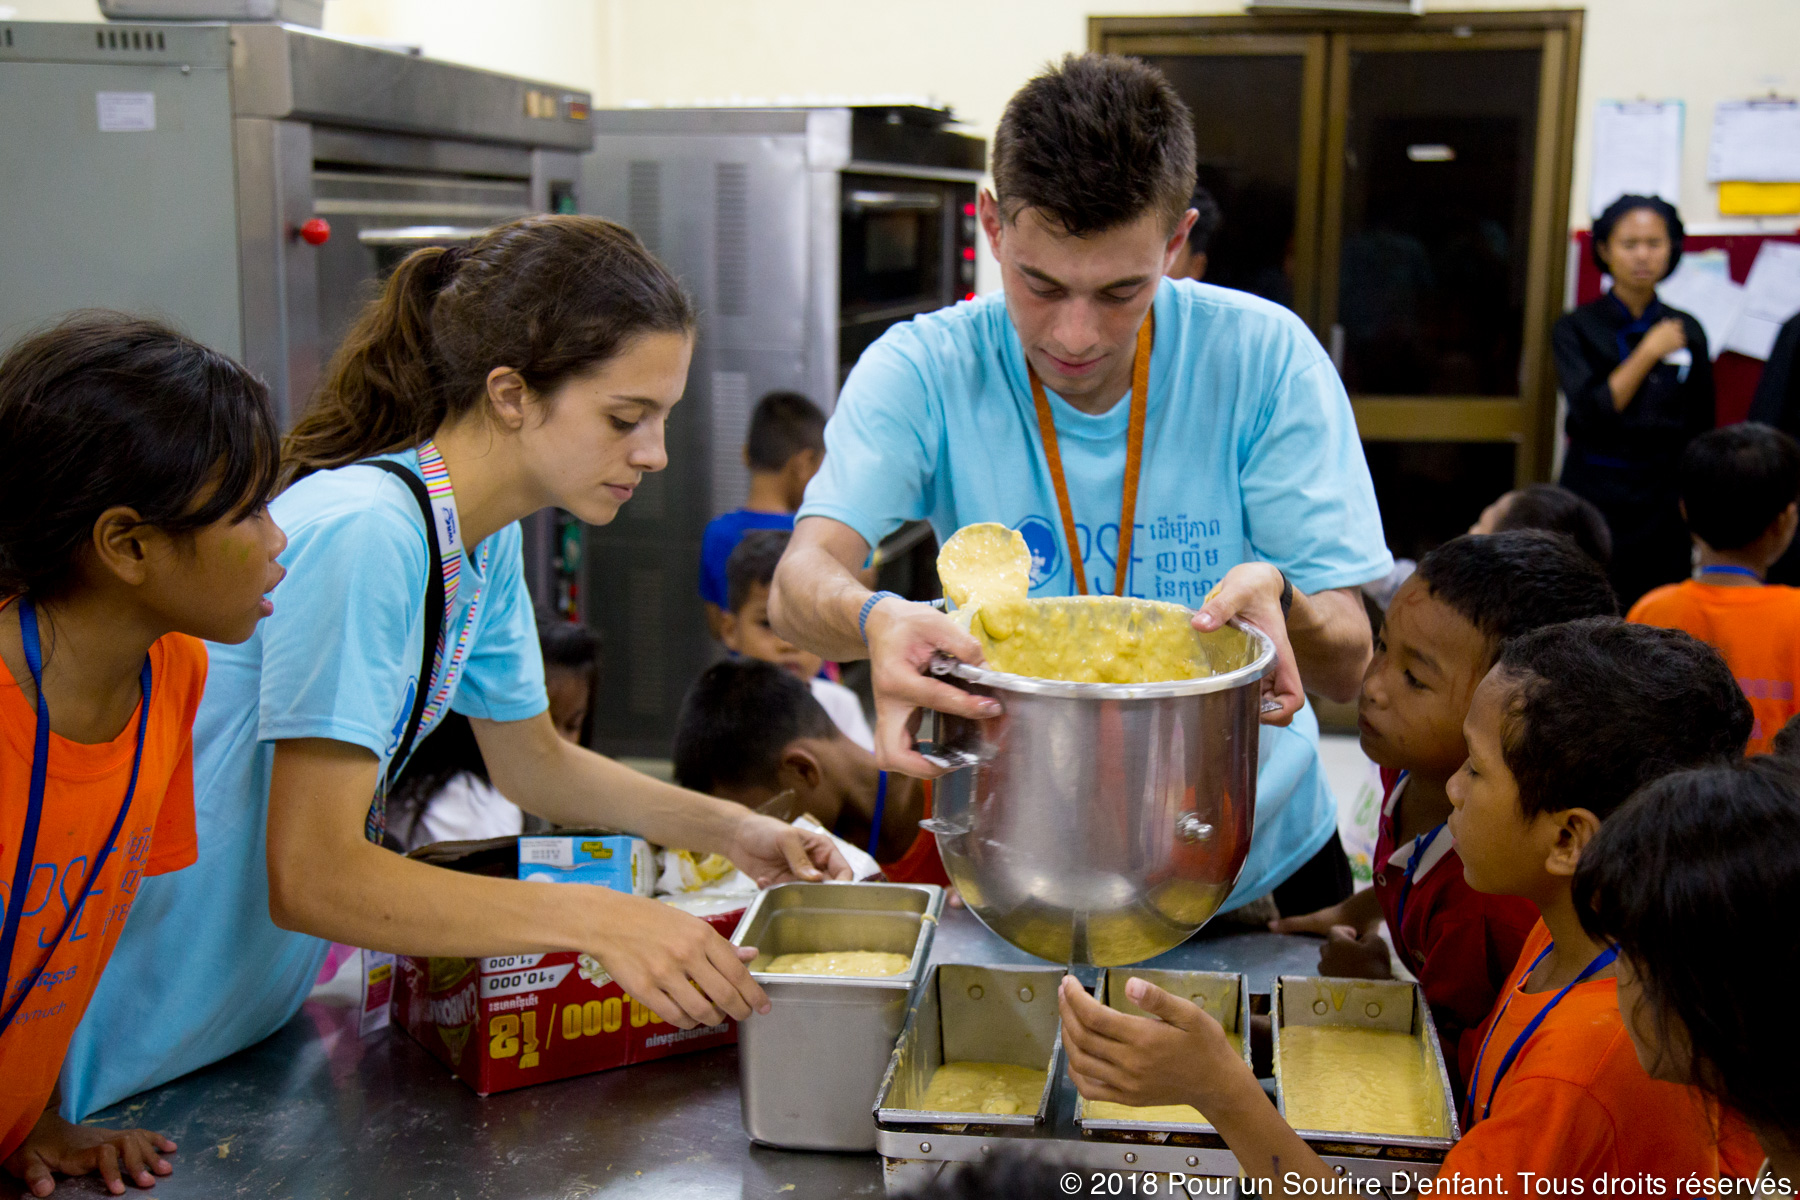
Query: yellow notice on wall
{"points": [[1759, 199]]}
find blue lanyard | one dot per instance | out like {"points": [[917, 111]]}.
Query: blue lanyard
{"points": [[1726, 569], [880, 803], [34, 810], [1599, 964], [1421, 844]]}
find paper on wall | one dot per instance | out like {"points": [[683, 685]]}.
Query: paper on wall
{"points": [[1637, 151], [1755, 141], [1698, 287], [1771, 296]]}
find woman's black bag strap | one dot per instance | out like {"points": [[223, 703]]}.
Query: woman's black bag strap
{"points": [[434, 617]]}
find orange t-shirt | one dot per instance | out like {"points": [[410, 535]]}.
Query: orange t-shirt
{"points": [[1575, 1104], [1755, 629], [83, 788]]}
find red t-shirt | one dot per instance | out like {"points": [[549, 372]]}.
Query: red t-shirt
{"points": [[921, 862], [1575, 1104], [1459, 943], [83, 788]]}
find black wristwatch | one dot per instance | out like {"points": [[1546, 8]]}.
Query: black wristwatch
{"points": [[1287, 594]]}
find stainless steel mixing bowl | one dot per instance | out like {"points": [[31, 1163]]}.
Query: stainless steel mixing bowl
{"points": [[1103, 824]]}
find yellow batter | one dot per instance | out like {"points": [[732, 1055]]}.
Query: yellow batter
{"points": [[1106, 1110], [986, 571], [976, 1087], [1358, 1080], [839, 962]]}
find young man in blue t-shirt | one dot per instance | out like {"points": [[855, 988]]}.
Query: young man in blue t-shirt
{"points": [[784, 450], [1252, 478]]}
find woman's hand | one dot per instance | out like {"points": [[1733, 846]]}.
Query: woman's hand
{"points": [[1178, 1055], [1665, 337], [56, 1147], [771, 852], [674, 964]]}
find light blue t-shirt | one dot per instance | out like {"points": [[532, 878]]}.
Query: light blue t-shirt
{"points": [[201, 971], [1250, 454]]}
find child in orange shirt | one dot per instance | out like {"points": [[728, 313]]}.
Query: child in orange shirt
{"points": [[1445, 626], [1570, 722], [1738, 490], [1670, 881], [135, 469]]}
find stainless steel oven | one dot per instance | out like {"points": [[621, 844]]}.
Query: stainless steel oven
{"points": [[252, 182], [803, 234]]}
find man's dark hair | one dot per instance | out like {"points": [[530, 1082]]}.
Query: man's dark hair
{"points": [[1095, 142], [737, 719], [1557, 509], [1603, 707], [1736, 481], [1692, 880], [1206, 222], [752, 563], [1507, 584], [1606, 222], [781, 426]]}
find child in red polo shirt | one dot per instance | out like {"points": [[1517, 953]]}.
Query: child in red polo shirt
{"points": [[1571, 721], [1445, 626]]}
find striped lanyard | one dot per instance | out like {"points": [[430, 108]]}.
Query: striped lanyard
{"points": [[449, 658], [1601, 962]]}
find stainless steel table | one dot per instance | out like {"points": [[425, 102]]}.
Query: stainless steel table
{"points": [[315, 1111]]}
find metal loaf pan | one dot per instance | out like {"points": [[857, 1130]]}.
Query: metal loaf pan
{"points": [[968, 1013], [1389, 1004], [848, 1024], [1224, 996]]}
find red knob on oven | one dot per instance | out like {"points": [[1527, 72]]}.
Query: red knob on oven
{"points": [[315, 232]]}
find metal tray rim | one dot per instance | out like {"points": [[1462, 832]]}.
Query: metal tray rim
{"points": [[1120, 1125], [928, 921], [1429, 1032]]}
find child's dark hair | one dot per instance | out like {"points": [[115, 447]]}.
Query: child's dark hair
{"points": [[1606, 222], [782, 425], [752, 563], [1736, 481], [1558, 510], [104, 409], [572, 646], [1787, 741], [549, 296], [737, 719], [1506, 584], [1690, 880], [1095, 142], [1603, 706]]}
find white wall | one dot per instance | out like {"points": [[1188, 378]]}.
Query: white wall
{"points": [[972, 54]]}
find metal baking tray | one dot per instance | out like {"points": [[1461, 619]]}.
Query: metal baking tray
{"points": [[1388, 1004], [967, 1013], [848, 1023], [1224, 996]]}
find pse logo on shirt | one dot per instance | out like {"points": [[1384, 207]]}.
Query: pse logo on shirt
{"points": [[1045, 545]]}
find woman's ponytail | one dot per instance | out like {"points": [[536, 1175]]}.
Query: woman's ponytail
{"points": [[548, 296]]}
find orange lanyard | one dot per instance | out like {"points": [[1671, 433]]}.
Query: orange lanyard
{"points": [[1134, 460]]}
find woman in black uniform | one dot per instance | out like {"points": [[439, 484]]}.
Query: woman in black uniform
{"points": [[1639, 385]]}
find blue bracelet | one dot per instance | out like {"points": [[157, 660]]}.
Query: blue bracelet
{"points": [[862, 618]]}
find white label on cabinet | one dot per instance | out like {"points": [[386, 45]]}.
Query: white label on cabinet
{"points": [[126, 112]]}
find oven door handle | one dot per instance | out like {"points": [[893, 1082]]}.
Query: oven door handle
{"points": [[873, 201], [420, 235]]}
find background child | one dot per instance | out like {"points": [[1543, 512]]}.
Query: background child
{"points": [[785, 448], [135, 470], [1570, 722], [1738, 491], [1557, 509], [445, 795], [750, 731], [1445, 627], [1670, 881], [745, 630]]}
